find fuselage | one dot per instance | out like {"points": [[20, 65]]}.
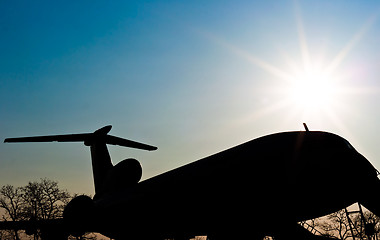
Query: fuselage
{"points": [[256, 187]]}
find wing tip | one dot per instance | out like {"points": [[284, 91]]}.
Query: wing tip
{"points": [[152, 148], [10, 140]]}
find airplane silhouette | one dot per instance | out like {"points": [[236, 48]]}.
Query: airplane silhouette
{"points": [[263, 187]]}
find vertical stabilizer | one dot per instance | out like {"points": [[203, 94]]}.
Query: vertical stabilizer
{"points": [[100, 157]]}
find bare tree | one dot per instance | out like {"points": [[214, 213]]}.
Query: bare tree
{"points": [[337, 225], [38, 200], [44, 199], [12, 202], [373, 223], [368, 227]]}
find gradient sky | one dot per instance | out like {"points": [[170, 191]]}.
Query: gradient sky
{"points": [[191, 77]]}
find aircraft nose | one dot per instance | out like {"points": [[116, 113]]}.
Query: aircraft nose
{"points": [[371, 197], [369, 188], [366, 170]]}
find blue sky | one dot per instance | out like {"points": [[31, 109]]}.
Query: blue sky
{"points": [[192, 78]]}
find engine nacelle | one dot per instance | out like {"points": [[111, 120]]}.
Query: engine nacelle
{"points": [[77, 214], [123, 175]]}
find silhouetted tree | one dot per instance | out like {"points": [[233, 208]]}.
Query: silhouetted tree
{"points": [[12, 203], [337, 225], [44, 199], [370, 226], [374, 220], [40, 200]]}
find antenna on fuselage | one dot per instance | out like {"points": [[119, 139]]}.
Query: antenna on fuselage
{"points": [[305, 126]]}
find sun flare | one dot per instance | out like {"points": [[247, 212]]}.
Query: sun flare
{"points": [[309, 85], [312, 90]]}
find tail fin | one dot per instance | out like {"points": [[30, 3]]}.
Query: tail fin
{"points": [[97, 141]]}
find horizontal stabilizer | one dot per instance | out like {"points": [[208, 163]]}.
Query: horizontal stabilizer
{"points": [[88, 138], [128, 143], [52, 138]]}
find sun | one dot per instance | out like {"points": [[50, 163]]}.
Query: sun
{"points": [[312, 90], [309, 85]]}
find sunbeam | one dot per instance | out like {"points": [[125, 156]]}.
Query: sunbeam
{"points": [[311, 91], [351, 44], [302, 38]]}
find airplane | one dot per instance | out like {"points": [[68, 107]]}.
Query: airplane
{"points": [[263, 187]]}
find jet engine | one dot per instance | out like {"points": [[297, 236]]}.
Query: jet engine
{"points": [[123, 175], [78, 214]]}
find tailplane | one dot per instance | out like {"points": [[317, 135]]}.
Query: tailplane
{"points": [[97, 141], [87, 138]]}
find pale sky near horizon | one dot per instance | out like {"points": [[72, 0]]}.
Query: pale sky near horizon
{"points": [[192, 78]]}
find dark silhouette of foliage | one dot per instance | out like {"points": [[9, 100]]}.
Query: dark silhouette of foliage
{"points": [[337, 225], [38, 200]]}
